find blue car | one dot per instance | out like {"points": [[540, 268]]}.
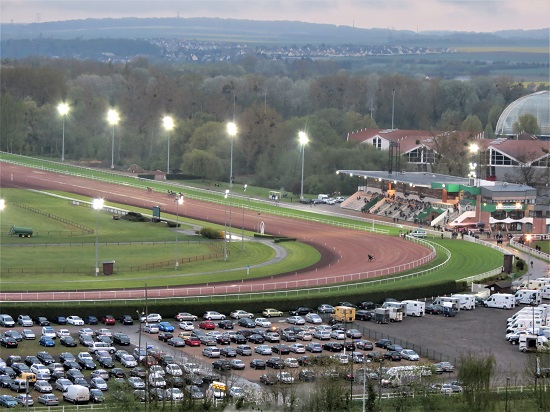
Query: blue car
{"points": [[45, 341], [166, 327], [8, 401]]}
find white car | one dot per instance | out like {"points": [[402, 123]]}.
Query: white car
{"points": [[213, 315], [236, 392], [187, 325], [173, 369], [211, 352], [62, 332], [25, 320], [262, 322], [291, 363], [338, 334], [75, 320], [314, 318], [174, 394], [136, 382], [263, 350], [296, 320], [240, 314], [28, 334], [190, 367], [285, 377], [409, 354], [85, 355], [85, 331], [103, 332], [157, 370], [149, 328], [151, 317], [128, 361], [297, 348]]}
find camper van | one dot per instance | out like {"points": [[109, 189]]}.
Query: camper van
{"points": [[528, 296], [545, 292], [524, 324], [531, 343], [466, 302], [500, 300], [454, 302], [535, 284], [415, 308], [528, 312]]}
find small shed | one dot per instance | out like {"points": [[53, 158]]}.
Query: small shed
{"points": [[504, 286], [108, 267]]}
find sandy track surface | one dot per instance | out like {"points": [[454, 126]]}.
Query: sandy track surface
{"points": [[343, 251]]}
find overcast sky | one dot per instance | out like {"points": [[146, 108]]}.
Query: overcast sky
{"points": [[460, 15]]}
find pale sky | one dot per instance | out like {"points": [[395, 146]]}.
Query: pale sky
{"points": [[422, 15]]}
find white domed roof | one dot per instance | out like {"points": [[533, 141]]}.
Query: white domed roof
{"points": [[537, 104]]}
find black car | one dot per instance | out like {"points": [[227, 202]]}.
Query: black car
{"points": [[20, 367], [383, 343], [228, 352], [5, 381], [275, 363], [71, 364], [246, 323], [91, 320], [349, 345], [222, 365], [393, 356], [288, 336], [45, 358], [306, 376], [165, 336], [434, 309], [208, 379], [449, 312], [121, 339], [42, 321], [87, 363], [238, 338], [333, 346], [223, 339], [138, 371], [30, 359], [68, 341], [366, 305], [268, 379], [300, 310], [72, 374], [66, 356], [226, 324], [8, 342], [280, 349], [126, 320], [106, 362], [174, 381], [375, 356], [256, 338], [347, 304], [257, 364], [10, 360], [96, 396], [363, 314], [193, 380], [8, 370], [60, 320], [117, 373], [304, 361]]}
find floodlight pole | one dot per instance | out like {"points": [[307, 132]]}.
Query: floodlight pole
{"points": [[242, 226]]}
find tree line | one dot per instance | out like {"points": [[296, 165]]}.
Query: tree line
{"points": [[270, 105]]}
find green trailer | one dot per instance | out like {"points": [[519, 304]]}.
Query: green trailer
{"points": [[21, 231]]}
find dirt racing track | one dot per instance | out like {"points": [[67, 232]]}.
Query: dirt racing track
{"points": [[343, 251]]}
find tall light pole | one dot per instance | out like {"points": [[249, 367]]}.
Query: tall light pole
{"points": [[392, 106], [97, 204], [179, 202], [303, 139], [242, 226], [225, 226], [168, 124], [113, 118], [474, 172], [232, 132], [63, 109]]}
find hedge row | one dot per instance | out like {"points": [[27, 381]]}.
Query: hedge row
{"points": [[168, 308]]}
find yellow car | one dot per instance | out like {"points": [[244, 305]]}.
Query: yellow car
{"points": [[271, 312]]}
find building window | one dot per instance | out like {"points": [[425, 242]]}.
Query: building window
{"points": [[377, 142], [499, 159]]}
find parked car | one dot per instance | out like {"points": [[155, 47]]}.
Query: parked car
{"points": [[325, 308], [222, 365], [48, 399], [333, 346], [60, 320], [207, 325], [75, 320], [275, 363], [268, 379], [313, 318], [257, 364], [166, 327], [43, 341], [121, 339], [382, 343], [393, 355], [42, 321], [441, 367], [354, 334], [270, 312], [8, 401], [434, 309], [296, 320], [409, 354], [28, 334], [314, 347], [150, 328], [213, 315], [90, 320], [280, 349], [25, 321], [364, 345], [126, 320], [186, 316], [300, 310], [240, 314], [262, 322], [263, 350], [226, 324]]}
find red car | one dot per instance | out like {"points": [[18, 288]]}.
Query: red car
{"points": [[207, 324], [192, 341], [108, 320]]}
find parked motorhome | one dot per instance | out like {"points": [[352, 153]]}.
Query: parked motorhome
{"points": [[467, 302], [415, 308], [528, 296], [531, 343], [454, 302], [500, 300]]}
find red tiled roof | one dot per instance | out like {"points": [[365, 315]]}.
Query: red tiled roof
{"points": [[522, 150]]}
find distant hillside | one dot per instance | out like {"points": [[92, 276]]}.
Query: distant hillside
{"points": [[263, 32]]}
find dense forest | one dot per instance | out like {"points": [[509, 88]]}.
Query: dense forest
{"points": [[270, 103]]}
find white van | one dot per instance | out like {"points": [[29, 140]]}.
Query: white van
{"points": [[415, 307], [77, 394], [500, 300], [7, 321], [454, 302], [418, 233], [545, 292], [466, 302], [528, 296], [524, 324]]}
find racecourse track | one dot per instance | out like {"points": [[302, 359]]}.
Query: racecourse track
{"points": [[343, 251]]}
